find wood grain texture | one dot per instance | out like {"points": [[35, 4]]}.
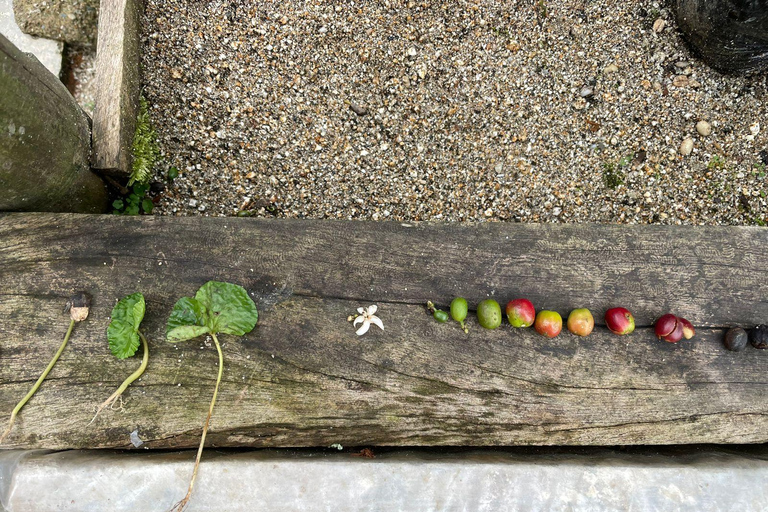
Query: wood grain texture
{"points": [[45, 141], [303, 378], [117, 85]]}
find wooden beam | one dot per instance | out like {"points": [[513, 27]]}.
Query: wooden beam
{"points": [[303, 378], [117, 85], [45, 141]]}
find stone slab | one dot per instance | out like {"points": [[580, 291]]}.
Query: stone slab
{"points": [[699, 480], [71, 21], [48, 52]]}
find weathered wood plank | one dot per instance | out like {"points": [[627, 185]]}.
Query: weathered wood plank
{"points": [[303, 378], [117, 85], [45, 141]]}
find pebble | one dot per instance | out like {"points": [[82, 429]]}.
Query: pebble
{"points": [[357, 109], [686, 147], [704, 128], [659, 25], [611, 68]]}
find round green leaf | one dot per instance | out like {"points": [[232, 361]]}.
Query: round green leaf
{"points": [[228, 308], [123, 329], [187, 320], [147, 205]]}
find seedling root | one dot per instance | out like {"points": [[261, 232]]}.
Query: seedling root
{"points": [[110, 402], [38, 383], [181, 505]]}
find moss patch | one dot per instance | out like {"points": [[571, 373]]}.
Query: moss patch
{"points": [[145, 150]]}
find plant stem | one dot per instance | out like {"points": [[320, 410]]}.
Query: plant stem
{"points": [[183, 503], [127, 382], [39, 381]]}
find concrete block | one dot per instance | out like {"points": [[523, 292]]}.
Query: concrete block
{"points": [[71, 21], [47, 52], [488, 480]]}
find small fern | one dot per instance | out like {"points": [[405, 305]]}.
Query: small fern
{"points": [[145, 150]]}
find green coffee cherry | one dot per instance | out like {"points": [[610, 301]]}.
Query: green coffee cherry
{"points": [[459, 310], [440, 315], [489, 314]]}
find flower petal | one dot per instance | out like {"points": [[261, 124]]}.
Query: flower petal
{"points": [[358, 320], [372, 309], [364, 328], [361, 311], [376, 320]]}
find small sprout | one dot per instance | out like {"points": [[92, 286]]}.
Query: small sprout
{"points": [[439, 315], [216, 308], [367, 317], [123, 335], [78, 306], [336, 446]]}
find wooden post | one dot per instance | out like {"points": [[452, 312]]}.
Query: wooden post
{"points": [[117, 80], [45, 141], [303, 377]]}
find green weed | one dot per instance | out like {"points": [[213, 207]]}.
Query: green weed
{"points": [[145, 150]]}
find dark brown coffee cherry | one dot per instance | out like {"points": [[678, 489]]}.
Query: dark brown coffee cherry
{"points": [[759, 336], [736, 339]]}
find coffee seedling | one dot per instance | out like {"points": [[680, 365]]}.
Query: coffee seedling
{"points": [[217, 308], [78, 306], [123, 335]]}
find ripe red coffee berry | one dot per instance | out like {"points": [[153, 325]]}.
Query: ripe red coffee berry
{"points": [[675, 335], [688, 329], [665, 325], [619, 321]]}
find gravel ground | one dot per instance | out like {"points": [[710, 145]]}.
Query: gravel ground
{"points": [[566, 111]]}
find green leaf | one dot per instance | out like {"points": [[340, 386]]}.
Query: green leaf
{"points": [[187, 321], [173, 173], [147, 205], [132, 210], [185, 332], [123, 330], [118, 204], [228, 308]]}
